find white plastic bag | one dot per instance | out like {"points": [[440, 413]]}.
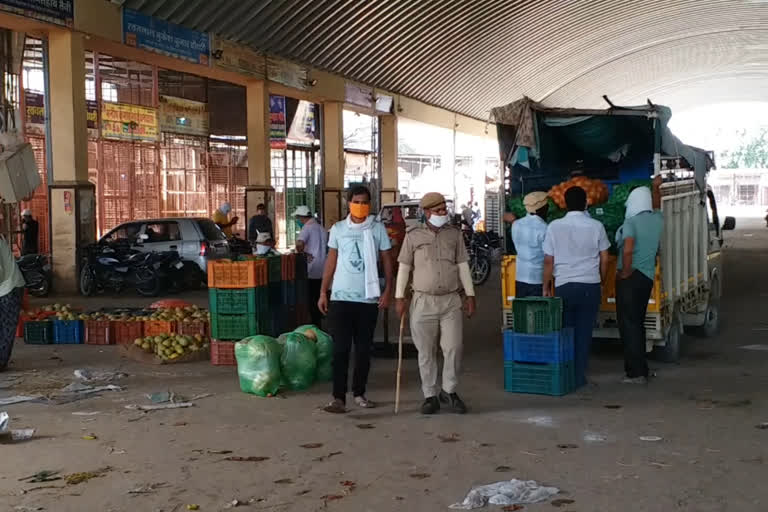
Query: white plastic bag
{"points": [[510, 492]]}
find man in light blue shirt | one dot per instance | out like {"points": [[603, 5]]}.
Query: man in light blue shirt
{"points": [[355, 246], [528, 236]]}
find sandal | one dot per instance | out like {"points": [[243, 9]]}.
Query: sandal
{"points": [[364, 403], [335, 407]]}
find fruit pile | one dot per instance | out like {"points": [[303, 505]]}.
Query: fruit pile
{"points": [[179, 314], [597, 191], [171, 346]]}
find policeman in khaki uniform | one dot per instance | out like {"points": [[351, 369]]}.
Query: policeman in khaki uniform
{"points": [[436, 254]]}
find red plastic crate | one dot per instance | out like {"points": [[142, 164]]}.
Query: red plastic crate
{"points": [[158, 327], [288, 267], [99, 332], [223, 353], [193, 328], [125, 332]]}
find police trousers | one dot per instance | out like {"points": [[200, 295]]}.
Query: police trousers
{"points": [[436, 320]]}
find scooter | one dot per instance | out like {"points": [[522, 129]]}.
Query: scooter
{"points": [[37, 273]]}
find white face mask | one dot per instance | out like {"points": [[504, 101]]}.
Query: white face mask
{"points": [[439, 220], [262, 249]]}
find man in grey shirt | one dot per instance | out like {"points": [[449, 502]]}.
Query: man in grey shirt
{"points": [[313, 242]]}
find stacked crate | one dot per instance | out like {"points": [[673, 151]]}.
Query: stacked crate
{"points": [[283, 293], [239, 304], [302, 290], [538, 352]]}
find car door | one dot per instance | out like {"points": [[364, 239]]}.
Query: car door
{"points": [[124, 233], [161, 236]]}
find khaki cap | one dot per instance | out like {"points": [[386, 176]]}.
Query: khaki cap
{"points": [[432, 199], [535, 201]]}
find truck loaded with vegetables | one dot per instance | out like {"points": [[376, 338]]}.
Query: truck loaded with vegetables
{"points": [[609, 153]]}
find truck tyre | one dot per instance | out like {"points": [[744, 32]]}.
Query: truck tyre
{"points": [[670, 352], [711, 326]]}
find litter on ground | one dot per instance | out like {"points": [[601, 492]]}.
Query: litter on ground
{"points": [[511, 492]]}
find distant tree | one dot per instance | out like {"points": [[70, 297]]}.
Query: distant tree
{"points": [[750, 153]]}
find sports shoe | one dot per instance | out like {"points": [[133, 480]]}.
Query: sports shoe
{"points": [[430, 406], [335, 407], [364, 403], [635, 380]]}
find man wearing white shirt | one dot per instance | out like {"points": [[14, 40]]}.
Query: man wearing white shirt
{"points": [[528, 236], [576, 255]]}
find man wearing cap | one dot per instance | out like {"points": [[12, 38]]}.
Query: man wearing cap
{"points": [[30, 229], [221, 218], [528, 236], [312, 241], [265, 246], [436, 253]]}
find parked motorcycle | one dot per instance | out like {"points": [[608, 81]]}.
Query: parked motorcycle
{"points": [[37, 273], [480, 246], [239, 246], [106, 267], [170, 269]]}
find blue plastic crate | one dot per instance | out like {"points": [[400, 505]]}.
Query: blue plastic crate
{"points": [[68, 332], [555, 348], [539, 379]]}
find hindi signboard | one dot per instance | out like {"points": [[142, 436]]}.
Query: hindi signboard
{"points": [[178, 115], [160, 36], [128, 122], [60, 12], [287, 73], [231, 56], [277, 128]]}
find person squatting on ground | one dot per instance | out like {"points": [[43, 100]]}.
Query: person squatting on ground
{"points": [[355, 245], [436, 254]]}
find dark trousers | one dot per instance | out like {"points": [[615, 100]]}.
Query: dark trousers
{"points": [[10, 306], [523, 290], [581, 303], [632, 296], [314, 296], [351, 323]]}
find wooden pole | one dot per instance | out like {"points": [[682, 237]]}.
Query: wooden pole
{"points": [[399, 364]]}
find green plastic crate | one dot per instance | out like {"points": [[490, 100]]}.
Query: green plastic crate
{"points": [[38, 332], [233, 301], [275, 269], [233, 327], [537, 315], [539, 379]]}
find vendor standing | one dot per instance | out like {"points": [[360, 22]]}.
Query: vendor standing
{"points": [[436, 253], [221, 218], [11, 292], [313, 242], [528, 236], [638, 240], [29, 232]]}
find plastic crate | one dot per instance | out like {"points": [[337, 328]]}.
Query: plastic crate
{"points": [[302, 292], [507, 319], [232, 302], [126, 331], [99, 332], [193, 328], [288, 293], [302, 315], [275, 294], [288, 267], [537, 315], [158, 327], [223, 353], [38, 332], [556, 347], [232, 274], [233, 327], [274, 269], [302, 267], [68, 332], [540, 379], [508, 274]]}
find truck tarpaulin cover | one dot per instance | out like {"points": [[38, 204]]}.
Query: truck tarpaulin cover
{"points": [[552, 140]]}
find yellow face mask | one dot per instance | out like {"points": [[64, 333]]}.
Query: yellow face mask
{"points": [[359, 211]]}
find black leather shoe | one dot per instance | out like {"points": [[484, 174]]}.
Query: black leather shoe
{"points": [[457, 404], [430, 406]]}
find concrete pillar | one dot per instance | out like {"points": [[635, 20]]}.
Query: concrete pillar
{"points": [[390, 192], [333, 162], [71, 196], [259, 189]]}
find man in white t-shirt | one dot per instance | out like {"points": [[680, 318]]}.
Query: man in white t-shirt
{"points": [[313, 242], [576, 256]]}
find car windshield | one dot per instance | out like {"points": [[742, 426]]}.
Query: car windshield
{"points": [[210, 230]]}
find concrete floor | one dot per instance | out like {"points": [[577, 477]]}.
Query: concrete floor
{"points": [[711, 456]]}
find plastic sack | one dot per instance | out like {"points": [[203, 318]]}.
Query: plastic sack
{"points": [[324, 344], [510, 492], [258, 365], [299, 361]]}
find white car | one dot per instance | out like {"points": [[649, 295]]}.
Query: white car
{"points": [[195, 239]]}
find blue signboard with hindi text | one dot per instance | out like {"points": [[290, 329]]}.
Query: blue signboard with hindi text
{"points": [[60, 12], [153, 34]]}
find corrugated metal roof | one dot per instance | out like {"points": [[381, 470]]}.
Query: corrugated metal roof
{"points": [[470, 55]]}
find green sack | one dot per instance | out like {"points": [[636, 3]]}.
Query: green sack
{"points": [[258, 365], [299, 361], [324, 344]]}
